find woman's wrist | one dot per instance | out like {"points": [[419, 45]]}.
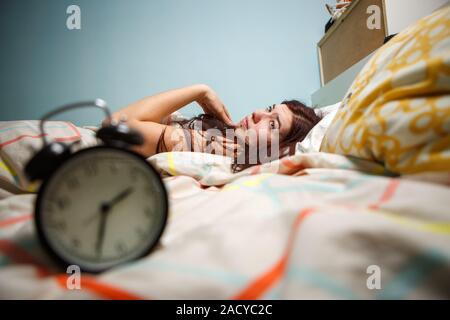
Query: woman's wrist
{"points": [[202, 91]]}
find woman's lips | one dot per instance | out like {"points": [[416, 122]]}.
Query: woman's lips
{"points": [[244, 123]]}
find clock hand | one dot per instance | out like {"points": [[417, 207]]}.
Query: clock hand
{"points": [[108, 205], [101, 232], [105, 209]]}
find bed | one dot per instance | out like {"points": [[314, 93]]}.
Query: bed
{"points": [[314, 225], [307, 226]]}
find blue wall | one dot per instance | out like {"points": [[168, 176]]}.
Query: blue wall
{"points": [[252, 52]]}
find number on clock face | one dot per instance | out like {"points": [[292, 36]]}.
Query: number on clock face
{"points": [[102, 207]]}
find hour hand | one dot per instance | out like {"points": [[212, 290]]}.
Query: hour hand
{"points": [[108, 205]]}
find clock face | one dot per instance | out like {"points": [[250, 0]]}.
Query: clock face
{"points": [[102, 207]]}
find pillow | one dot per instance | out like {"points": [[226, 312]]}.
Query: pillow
{"points": [[19, 140], [314, 138], [324, 111], [7, 175], [397, 111]]}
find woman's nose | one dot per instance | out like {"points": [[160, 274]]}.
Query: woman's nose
{"points": [[258, 115]]}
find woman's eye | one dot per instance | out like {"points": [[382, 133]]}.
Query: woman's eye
{"points": [[269, 108]]}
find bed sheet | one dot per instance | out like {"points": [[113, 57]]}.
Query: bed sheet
{"points": [[309, 226]]}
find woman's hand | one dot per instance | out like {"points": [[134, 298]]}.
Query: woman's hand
{"points": [[211, 104]]}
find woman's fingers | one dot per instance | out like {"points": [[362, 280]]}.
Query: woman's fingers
{"points": [[226, 117], [212, 105], [227, 120], [221, 114], [226, 112]]}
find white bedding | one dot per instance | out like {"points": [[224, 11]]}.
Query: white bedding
{"points": [[314, 138]]}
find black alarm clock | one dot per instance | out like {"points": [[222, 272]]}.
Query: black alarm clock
{"points": [[100, 206]]}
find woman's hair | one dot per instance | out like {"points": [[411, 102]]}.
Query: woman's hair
{"points": [[304, 119]]}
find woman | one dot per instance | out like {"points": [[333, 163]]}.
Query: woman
{"points": [[278, 127]]}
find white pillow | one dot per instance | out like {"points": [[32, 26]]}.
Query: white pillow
{"points": [[323, 111], [313, 140]]}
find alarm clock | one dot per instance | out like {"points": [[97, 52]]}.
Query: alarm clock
{"points": [[100, 206]]}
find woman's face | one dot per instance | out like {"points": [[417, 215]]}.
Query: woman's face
{"points": [[274, 120]]}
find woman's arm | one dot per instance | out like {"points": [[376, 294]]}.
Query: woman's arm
{"points": [[156, 107], [146, 115], [152, 132]]}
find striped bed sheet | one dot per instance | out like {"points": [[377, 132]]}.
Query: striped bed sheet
{"points": [[309, 226]]}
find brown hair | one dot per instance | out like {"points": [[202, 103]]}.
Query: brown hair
{"points": [[304, 119]]}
